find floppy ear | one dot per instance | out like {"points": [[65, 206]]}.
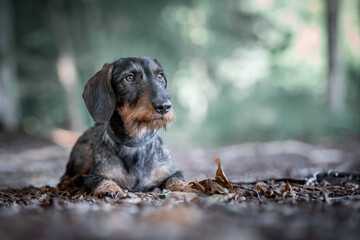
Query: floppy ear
{"points": [[99, 96]]}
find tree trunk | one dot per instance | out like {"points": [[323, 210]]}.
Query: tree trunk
{"points": [[334, 82], [9, 114], [66, 67]]}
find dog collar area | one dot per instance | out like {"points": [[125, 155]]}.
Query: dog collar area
{"points": [[134, 143]]}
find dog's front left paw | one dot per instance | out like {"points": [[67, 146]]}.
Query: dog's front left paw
{"points": [[108, 188]]}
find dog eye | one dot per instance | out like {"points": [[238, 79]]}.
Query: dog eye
{"points": [[160, 76], [129, 78]]}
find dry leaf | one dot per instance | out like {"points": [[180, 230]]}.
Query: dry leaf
{"points": [[217, 188], [220, 177], [289, 188], [262, 187]]}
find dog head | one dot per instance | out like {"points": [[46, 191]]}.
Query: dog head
{"points": [[133, 88]]}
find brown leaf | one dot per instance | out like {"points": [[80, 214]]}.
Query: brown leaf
{"points": [[198, 186], [217, 188], [290, 189], [262, 187], [189, 188], [46, 188], [220, 177], [206, 184]]}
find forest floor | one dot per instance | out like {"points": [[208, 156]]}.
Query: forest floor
{"points": [[269, 192]]}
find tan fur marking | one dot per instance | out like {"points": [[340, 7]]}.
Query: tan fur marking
{"points": [[136, 66], [143, 115], [107, 186], [119, 176], [158, 175], [155, 69], [175, 185]]}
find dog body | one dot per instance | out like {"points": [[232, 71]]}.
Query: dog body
{"points": [[129, 102]]}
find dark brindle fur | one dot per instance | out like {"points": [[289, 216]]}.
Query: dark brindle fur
{"points": [[129, 101]]}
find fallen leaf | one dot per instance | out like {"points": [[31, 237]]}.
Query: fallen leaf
{"points": [[220, 175], [262, 187], [217, 188]]}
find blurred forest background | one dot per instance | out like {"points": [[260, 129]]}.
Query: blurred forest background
{"points": [[238, 70]]}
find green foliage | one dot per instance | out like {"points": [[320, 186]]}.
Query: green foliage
{"points": [[238, 70]]}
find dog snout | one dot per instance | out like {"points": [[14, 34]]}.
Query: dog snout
{"points": [[162, 107]]}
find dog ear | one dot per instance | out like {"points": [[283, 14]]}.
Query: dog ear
{"points": [[99, 96]]}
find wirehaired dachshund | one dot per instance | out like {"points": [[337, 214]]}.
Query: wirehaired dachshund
{"points": [[129, 102]]}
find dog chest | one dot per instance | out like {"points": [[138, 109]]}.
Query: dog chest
{"points": [[139, 169]]}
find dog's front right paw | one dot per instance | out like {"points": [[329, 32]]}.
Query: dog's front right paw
{"points": [[108, 188], [175, 185]]}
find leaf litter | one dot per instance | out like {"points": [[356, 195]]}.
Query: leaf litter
{"points": [[219, 189], [199, 211]]}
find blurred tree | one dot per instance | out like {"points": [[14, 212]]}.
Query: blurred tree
{"points": [[9, 114], [351, 33], [335, 82], [66, 67]]}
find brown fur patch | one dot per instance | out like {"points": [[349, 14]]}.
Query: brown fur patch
{"points": [[107, 186], [143, 116]]}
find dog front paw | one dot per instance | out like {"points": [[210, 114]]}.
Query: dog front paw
{"points": [[175, 185], [108, 188]]}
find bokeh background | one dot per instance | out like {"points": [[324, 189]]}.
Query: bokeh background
{"points": [[238, 70], [272, 87]]}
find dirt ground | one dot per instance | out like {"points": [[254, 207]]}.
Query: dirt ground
{"points": [[326, 208]]}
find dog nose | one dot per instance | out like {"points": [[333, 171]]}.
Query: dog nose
{"points": [[162, 107]]}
